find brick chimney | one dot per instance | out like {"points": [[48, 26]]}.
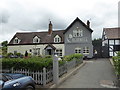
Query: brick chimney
{"points": [[88, 23], [50, 28]]}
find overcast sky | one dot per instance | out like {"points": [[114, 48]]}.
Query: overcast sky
{"points": [[34, 15]]}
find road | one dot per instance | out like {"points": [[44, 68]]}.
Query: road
{"points": [[94, 74]]}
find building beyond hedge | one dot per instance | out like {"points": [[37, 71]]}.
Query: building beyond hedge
{"points": [[76, 38]]}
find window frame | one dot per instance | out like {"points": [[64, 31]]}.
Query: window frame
{"points": [[86, 50], [58, 52], [77, 33], [16, 40], [36, 39], [77, 50], [57, 39]]}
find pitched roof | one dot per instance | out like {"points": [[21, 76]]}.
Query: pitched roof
{"points": [[27, 38], [77, 19], [112, 33], [45, 38], [50, 45]]}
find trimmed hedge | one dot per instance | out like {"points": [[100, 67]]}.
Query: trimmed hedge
{"points": [[34, 63], [71, 57]]}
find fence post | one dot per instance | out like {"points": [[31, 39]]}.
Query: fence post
{"points": [[44, 76], [12, 70], [55, 70]]}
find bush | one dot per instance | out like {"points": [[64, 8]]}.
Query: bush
{"points": [[72, 57], [34, 63], [116, 61], [9, 54], [48, 56]]}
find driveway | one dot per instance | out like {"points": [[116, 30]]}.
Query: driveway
{"points": [[95, 74]]}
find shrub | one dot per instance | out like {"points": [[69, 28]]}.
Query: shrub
{"points": [[48, 56], [73, 56], [34, 63], [9, 54], [116, 61]]}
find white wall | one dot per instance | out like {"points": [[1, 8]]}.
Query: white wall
{"points": [[104, 42], [23, 48]]}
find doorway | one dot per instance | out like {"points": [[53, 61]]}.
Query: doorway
{"points": [[49, 51]]}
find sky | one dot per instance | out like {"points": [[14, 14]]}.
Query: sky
{"points": [[34, 15]]}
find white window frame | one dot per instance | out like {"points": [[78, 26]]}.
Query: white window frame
{"points": [[77, 50], [111, 42], [16, 41], [36, 39], [57, 39], [58, 52], [77, 33], [36, 51], [86, 50], [117, 42]]}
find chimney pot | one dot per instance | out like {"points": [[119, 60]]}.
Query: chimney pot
{"points": [[88, 23], [50, 28]]}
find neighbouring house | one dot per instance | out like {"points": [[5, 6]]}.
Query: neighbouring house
{"points": [[110, 41], [76, 38]]}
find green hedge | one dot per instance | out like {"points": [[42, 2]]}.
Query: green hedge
{"points": [[116, 61], [73, 56], [34, 63]]}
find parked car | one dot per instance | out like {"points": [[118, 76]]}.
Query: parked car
{"points": [[16, 81]]}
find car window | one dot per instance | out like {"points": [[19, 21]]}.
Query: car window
{"points": [[3, 78], [8, 77]]}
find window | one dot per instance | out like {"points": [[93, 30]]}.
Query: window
{"points": [[57, 39], [111, 42], [77, 33], [58, 52], [111, 48], [16, 41], [36, 51], [117, 42], [77, 50], [86, 50], [36, 40], [15, 52]]}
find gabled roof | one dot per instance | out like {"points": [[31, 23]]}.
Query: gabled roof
{"points": [[112, 33], [77, 19], [50, 45], [27, 38]]}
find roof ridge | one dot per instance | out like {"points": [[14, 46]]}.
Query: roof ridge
{"points": [[38, 32]]}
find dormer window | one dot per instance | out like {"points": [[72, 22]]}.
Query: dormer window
{"points": [[36, 39], [57, 39], [77, 33], [16, 41]]}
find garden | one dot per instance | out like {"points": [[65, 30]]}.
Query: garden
{"points": [[36, 63]]}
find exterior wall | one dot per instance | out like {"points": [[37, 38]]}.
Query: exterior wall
{"points": [[111, 44], [105, 42], [70, 49], [84, 41], [22, 48]]}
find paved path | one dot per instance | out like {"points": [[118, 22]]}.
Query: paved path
{"points": [[95, 74]]}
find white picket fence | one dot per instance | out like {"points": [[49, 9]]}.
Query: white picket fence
{"points": [[45, 76]]}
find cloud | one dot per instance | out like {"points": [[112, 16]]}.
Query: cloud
{"points": [[4, 16], [34, 15]]}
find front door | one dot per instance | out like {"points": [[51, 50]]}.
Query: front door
{"points": [[49, 51]]}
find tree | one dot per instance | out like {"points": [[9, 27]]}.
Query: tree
{"points": [[4, 47], [4, 43]]}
